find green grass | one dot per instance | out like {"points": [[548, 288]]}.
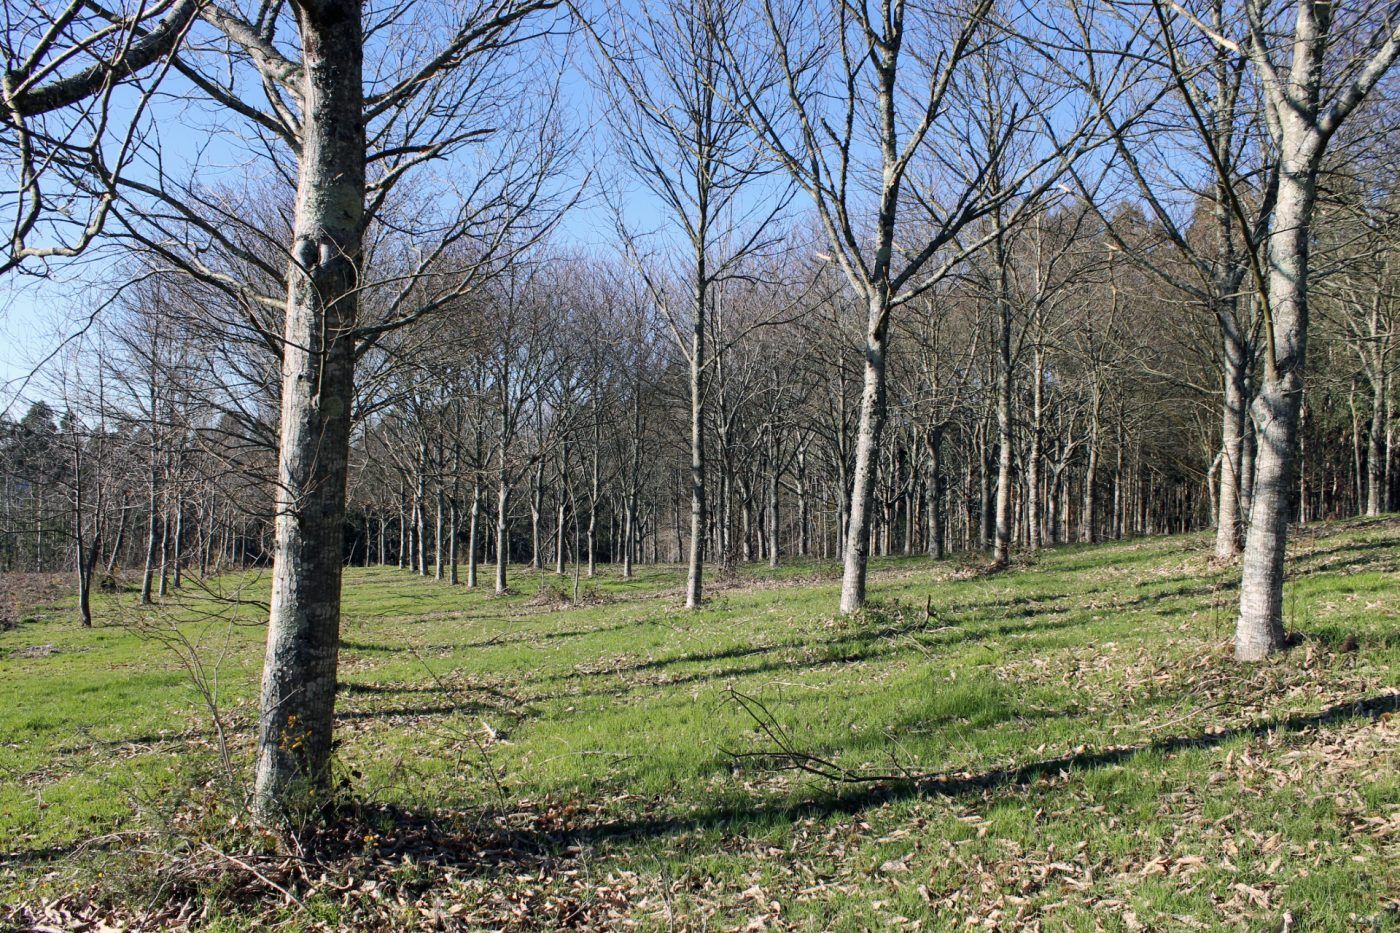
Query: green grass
{"points": [[1067, 743]]}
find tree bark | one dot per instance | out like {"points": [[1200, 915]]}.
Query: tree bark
{"points": [[936, 543], [1035, 520], [148, 576], [1375, 444], [299, 674], [439, 542], [1088, 528], [1259, 630], [773, 547], [872, 423], [177, 551], [1233, 414], [536, 509], [803, 519], [472, 545], [1001, 554], [420, 510], [591, 532], [86, 557], [113, 556], [694, 575], [164, 589], [502, 530], [1301, 130], [452, 539]]}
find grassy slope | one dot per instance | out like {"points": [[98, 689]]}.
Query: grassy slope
{"points": [[574, 764]]}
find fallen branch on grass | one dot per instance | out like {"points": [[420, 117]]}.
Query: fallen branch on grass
{"points": [[792, 759]]}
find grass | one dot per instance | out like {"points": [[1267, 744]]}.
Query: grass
{"points": [[1067, 744]]}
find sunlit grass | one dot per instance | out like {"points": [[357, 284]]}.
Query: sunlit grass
{"points": [[1114, 655]]}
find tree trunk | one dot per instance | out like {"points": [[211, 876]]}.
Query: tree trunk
{"points": [[1375, 447], [472, 544], [403, 527], [591, 535], [984, 494], [1088, 530], [164, 556], [536, 508], [562, 510], [773, 547], [1259, 630], [1035, 520], [420, 512], [803, 517], [1357, 472], [629, 512], [123, 514], [502, 531], [695, 572], [177, 553], [1228, 517], [439, 543], [559, 532], [303, 640], [1001, 554], [1389, 482], [935, 494], [86, 560], [452, 539], [872, 424], [148, 576]]}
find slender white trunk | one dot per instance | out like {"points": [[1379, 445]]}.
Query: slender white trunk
{"points": [[502, 531], [472, 545], [1259, 630], [694, 576], [1375, 437], [1233, 414], [773, 524], [1001, 554], [872, 423], [1035, 520], [1088, 530]]}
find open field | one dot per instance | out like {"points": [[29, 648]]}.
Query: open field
{"points": [[1067, 744]]}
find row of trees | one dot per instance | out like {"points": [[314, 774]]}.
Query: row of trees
{"points": [[914, 277], [551, 417]]}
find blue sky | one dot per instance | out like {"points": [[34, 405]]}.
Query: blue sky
{"points": [[37, 314]]}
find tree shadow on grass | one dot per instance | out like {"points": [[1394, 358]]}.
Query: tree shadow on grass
{"points": [[964, 623], [868, 645], [489, 843], [903, 629], [852, 798], [1339, 565], [513, 636], [543, 836], [1347, 547]]}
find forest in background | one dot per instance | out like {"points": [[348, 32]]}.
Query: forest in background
{"points": [[551, 413]]}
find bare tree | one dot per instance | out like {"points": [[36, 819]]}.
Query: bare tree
{"points": [[669, 91], [1215, 238], [1313, 74], [348, 133], [871, 120]]}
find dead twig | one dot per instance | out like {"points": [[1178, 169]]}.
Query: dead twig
{"points": [[257, 874]]}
